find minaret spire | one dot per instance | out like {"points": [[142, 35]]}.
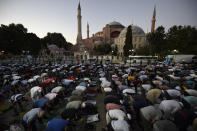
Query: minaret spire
{"points": [[79, 6], [79, 35], [88, 30], [153, 19]]}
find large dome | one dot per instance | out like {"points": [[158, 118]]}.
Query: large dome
{"points": [[116, 24], [136, 30]]}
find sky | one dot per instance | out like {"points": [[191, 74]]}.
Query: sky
{"points": [[43, 16]]}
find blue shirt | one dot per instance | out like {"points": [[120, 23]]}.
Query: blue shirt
{"points": [[40, 103], [56, 125]]}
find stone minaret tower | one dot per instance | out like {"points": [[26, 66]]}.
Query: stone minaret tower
{"points": [[79, 35], [153, 20], [88, 30]]}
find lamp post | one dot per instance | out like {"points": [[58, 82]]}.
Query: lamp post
{"points": [[174, 53], [112, 56], [133, 51]]}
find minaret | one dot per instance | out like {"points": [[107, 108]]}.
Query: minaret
{"points": [[153, 20], [79, 35], [88, 30]]}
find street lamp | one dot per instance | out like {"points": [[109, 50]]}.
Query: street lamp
{"points": [[175, 51], [112, 55], [85, 55]]}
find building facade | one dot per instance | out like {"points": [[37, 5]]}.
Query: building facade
{"points": [[113, 33], [138, 39]]}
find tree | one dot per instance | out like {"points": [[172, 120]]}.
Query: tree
{"points": [[56, 39], [33, 43], [69, 46], [128, 41], [183, 39], [103, 49], [180, 38], [157, 41], [14, 38], [143, 50]]}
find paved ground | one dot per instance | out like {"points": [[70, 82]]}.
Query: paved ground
{"points": [[101, 109]]}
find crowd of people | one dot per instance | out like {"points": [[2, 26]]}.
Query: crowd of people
{"points": [[62, 97]]}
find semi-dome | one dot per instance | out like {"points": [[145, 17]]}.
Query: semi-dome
{"points": [[116, 24], [136, 30]]}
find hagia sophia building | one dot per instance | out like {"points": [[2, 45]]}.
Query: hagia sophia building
{"points": [[114, 33]]}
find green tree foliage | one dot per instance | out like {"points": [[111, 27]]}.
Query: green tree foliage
{"points": [[33, 43], [14, 39], [56, 39], [143, 50], [103, 49], [69, 46], [183, 39], [180, 38], [128, 41], [157, 41]]}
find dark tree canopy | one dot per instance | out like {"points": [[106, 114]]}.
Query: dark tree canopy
{"points": [[183, 39], [128, 42], [103, 49], [15, 39], [157, 41], [56, 39]]}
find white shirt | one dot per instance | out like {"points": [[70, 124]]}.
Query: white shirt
{"points": [[29, 116], [73, 105], [150, 113], [107, 89], [116, 114], [83, 88], [50, 96], [35, 91], [146, 87], [128, 91], [169, 107], [105, 84], [120, 125], [15, 97], [102, 79], [173, 92], [191, 92], [56, 89]]}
